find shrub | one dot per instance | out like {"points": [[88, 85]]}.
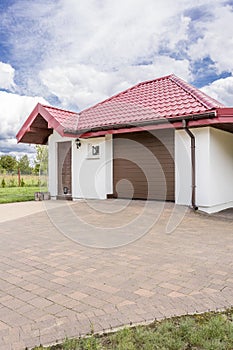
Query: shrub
{"points": [[22, 183], [3, 183]]}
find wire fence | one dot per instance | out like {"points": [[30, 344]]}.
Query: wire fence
{"points": [[23, 180]]}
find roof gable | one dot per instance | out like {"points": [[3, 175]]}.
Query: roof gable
{"points": [[42, 121]]}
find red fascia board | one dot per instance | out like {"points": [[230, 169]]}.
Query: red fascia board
{"points": [[67, 134], [27, 123], [160, 121], [39, 109], [203, 122], [166, 125], [225, 119], [126, 130], [197, 123], [225, 112], [225, 115]]}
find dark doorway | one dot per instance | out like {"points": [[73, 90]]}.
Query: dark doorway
{"points": [[64, 169]]}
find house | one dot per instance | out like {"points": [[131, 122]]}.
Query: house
{"points": [[161, 139]]}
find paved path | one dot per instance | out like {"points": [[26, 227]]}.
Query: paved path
{"points": [[12, 211], [55, 281]]}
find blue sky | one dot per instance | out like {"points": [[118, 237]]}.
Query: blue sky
{"points": [[72, 54]]}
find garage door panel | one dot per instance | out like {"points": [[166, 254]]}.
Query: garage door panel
{"points": [[144, 166]]}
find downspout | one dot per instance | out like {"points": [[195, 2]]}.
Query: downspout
{"points": [[193, 162]]}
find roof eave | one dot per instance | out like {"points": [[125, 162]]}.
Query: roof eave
{"points": [[171, 121]]}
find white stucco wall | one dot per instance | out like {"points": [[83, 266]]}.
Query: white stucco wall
{"points": [[214, 169], [91, 176], [109, 163], [183, 171], [221, 169]]}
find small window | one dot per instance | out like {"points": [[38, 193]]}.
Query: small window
{"points": [[96, 150], [93, 151]]}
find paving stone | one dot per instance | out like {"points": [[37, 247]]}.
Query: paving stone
{"points": [[144, 292], [78, 295], [6, 346], [40, 303], [51, 287]]}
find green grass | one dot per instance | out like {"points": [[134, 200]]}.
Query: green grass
{"points": [[210, 331], [19, 194], [28, 180]]}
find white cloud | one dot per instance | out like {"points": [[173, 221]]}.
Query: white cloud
{"points": [[83, 86], [99, 41], [6, 76], [13, 112], [9, 146], [221, 90], [105, 47], [216, 40], [105, 36]]}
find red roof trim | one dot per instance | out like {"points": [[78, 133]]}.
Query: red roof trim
{"points": [[227, 111], [225, 116], [28, 123], [40, 109], [165, 125], [126, 130]]}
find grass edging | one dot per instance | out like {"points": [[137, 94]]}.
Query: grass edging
{"points": [[207, 331], [19, 194]]}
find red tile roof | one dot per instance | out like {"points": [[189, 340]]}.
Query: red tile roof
{"points": [[166, 97], [67, 119]]}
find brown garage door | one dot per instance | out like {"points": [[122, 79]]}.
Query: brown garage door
{"points": [[143, 166]]}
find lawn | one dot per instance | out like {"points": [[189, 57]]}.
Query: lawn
{"points": [[19, 194], [29, 184], [210, 331]]}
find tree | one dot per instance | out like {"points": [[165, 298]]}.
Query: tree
{"points": [[8, 163], [41, 162], [24, 165]]}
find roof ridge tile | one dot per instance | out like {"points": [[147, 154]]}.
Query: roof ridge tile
{"points": [[59, 109], [200, 96]]}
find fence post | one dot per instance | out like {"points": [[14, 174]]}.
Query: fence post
{"points": [[19, 182]]}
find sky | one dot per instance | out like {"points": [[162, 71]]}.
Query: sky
{"points": [[74, 53]]}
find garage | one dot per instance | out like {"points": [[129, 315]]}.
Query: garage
{"points": [[143, 165]]}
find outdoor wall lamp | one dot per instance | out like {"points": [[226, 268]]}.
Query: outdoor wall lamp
{"points": [[78, 143], [65, 190]]}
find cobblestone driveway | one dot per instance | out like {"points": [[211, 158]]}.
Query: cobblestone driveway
{"points": [[52, 287]]}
